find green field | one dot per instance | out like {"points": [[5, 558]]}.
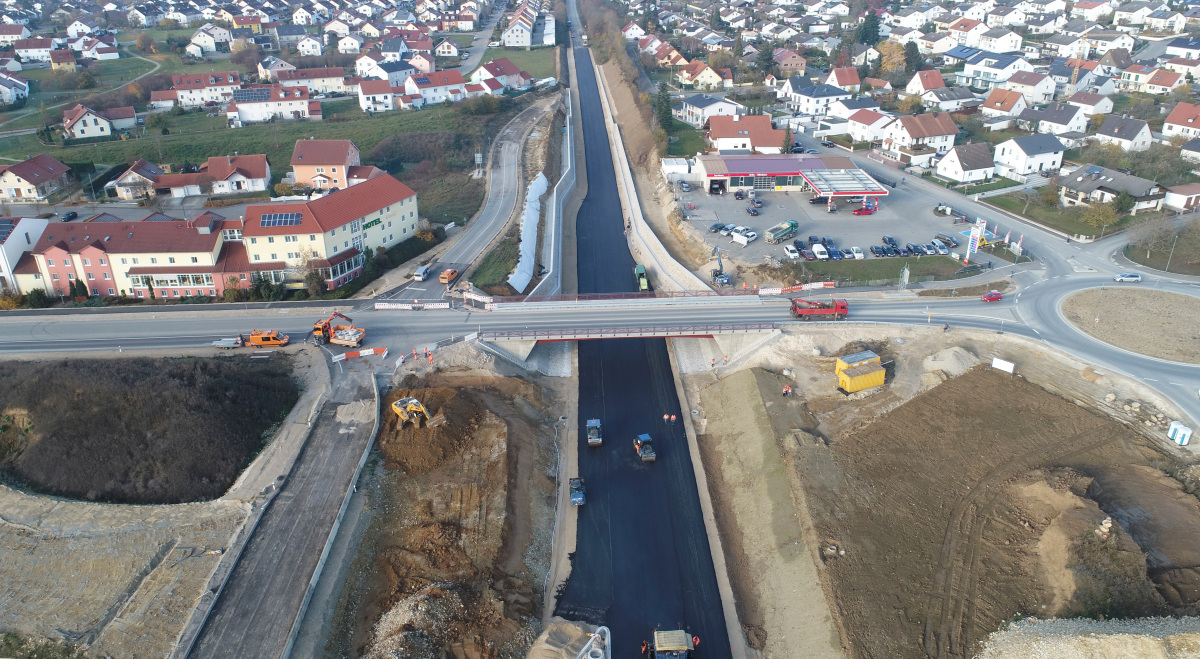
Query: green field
{"points": [[1184, 261], [1064, 219], [539, 63], [463, 40], [690, 142], [874, 269]]}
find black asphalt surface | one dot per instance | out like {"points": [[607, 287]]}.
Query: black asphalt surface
{"points": [[642, 559]]}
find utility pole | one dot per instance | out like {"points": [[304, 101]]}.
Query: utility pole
{"points": [[1172, 254]]}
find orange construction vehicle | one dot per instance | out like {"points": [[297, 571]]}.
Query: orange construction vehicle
{"points": [[448, 276], [822, 310], [255, 339], [325, 331]]}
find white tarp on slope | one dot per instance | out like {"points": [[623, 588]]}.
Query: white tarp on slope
{"points": [[523, 273]]}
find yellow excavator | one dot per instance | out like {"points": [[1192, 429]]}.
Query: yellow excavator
{"points": [[411, 409]]}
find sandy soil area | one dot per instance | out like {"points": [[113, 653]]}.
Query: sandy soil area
{"points": [[457, 551], [940, 506], [1138, 319]]}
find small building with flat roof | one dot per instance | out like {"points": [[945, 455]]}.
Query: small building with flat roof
{"points": [[826, 175]]}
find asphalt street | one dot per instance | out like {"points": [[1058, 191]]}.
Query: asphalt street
{"points": [[254, 615], [642, 557]]}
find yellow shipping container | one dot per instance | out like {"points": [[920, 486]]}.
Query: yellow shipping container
{"points": [[863, 376], [856, 359]]}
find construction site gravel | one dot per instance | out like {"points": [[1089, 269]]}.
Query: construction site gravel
{"points": [[455, 555], [917, 518]]}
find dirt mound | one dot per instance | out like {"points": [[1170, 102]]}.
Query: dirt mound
{"points": [[953, 361], [417, 448], [139, 430], [947, 508], [1087, 639]]}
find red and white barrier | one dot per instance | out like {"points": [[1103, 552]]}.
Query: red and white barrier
{"points": [[794, 289], [417, 306], [365, 352]]}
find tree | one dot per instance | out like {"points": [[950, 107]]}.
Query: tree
{"points": [[1124, 203], [1049, 193], [892, 56], [85, 80], [233, 290], [715, 21], [662, 106], [737, 46], [145, 43], [765, 59], [867, 32], [157, 120], [284, 189], [247, 57], [314, 283], [843, 59], [1181, 93], [37, 299], [911, 105], [787, 140], [913, 60], [1099, 215]]}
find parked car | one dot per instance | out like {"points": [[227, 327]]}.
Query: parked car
{"points": [[1128, 276], [835, 255], [752, 211], [902, 252], [946, 238], [319, 97], [827, 144], [757, 203], [799, 243], [877, 250], [792, 252], [829, 243], [797, 149], [890, 251], [864, 211], [939, 246], [716, 227], [992, 296], [848, 253], [210, 104], [808, 255], [857, 253], [811, 152], [888, 240], [914, 249], [818, 200], [814, 240], [929, 249], [750, 235], [70, 215], [727, 229], [821, 253], [493, 44], [739, 194], [685, 187]]}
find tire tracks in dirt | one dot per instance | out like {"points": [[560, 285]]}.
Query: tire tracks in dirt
{"points": [[955, 590]]}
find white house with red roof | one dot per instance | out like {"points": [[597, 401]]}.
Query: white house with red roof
{"points": [[12, 87], [845, 78], [195, 89], [867, 125], [262, 103], [82, 122], [1184, 120], [633, 31], [34, 50], [331, 234], [436, 87], [33, 179], [237, 174], [923, 81], [378, 96], [503, 71], [10, 34]]}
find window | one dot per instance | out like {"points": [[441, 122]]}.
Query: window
{"points": [[54, 276], [242, 275], [312, 237], [95, 291], [140, 293], [90, 276], [50, 262], [257, 257], [37, 276], [170, 259], [135, 261], [102, 262], [123, 261], [320, 170], [254, 241], [106, 276], [333, 170], [271, 239], [87, 262], [153, 260], [71, 276], [354, 226], [195, 260], [273, 256], [111, 292]]}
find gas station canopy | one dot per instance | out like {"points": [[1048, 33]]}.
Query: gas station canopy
{"points": [[827, 175]]}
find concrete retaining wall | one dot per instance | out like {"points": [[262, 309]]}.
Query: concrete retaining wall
{"points": [[551, 283]]}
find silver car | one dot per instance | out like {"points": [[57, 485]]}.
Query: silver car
{"points": [[1128, 276]]}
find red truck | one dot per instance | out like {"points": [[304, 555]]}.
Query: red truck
{"points": [[824, 310]]}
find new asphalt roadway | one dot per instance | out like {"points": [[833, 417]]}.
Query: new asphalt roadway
{"points": [[642, 557]]}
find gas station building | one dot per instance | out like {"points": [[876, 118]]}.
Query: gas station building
{"points": [[827, 175]]}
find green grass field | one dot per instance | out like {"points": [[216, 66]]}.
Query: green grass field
{"points": [[463, 40], [690, 142], [871, 268], [1185, 260], [496, 266], [1064, 219], [539, 63]]}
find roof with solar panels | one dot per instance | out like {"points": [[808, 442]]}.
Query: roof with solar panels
{"points": [[326, 213]]}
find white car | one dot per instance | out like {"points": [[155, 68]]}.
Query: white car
{"points": [[494, 44], [750, 235], [939, 246], [858, 253], [792, 252], [1128, 276], [319, 97]]}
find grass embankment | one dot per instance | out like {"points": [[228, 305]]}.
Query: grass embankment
{"points": [[492, 274], [690, 140], [873, 269], [1066, 220], [1185, 261], [538, 62], [965, 291], [17, 647], [146, 431]]}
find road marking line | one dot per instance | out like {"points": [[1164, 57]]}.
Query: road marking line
{"points": [[1150, 380]]}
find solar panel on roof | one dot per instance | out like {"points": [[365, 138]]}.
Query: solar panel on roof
{"points": [[279, 220], [251, 95]]}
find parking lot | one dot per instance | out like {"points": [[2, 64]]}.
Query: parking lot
{"points": [[904, 214]]}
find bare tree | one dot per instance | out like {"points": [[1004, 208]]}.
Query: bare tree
{"points": [[1154, 234]]}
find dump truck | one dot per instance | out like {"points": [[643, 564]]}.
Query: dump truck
{"points": [[644, 447], [639, 274], [673, 644], [822, 310], [782, 231], [411, 409], [593, 432], [255, 339], [578, 497], [326, 331]]}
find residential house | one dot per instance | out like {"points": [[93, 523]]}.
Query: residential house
{"points": [[271, 66], [161, 100], [988, 70], [949, 99], [1114, 62], [18, 236], [1000, 40], [916, 139], [1183, 66], [1032, 154], [867, 125], [237, 174], [1003, 102], [437, 87], [274, 102], [74, 30], [633, 31], [13, 88], [745, 133], [351, 44], [1091, 104], [967, 163], [34, 179], [790, 62], [196, 89], [422, 62], [252, 23], [378, 95], [698, 109], [63, 60], [323, 164], [877, 85], [1183, 197], [318, 81], [505, 72], [1162, 82], [923, 81], [1102, 42], [1092, 184], [1091, 10], [1183, 120], [1055, 119], [1184, 47], [446, 48], [1134, 13], [34, 50], [81, 122], [816, 100], [139, 181], [289, 35], [1134, 78], [310, 46], [1037, 88], [1166, 21], [11, 34], [967, 32], [212, 38], [844, 78], [1003, 17], [848, 106], [861, 55], [699, 75], [1127, 133]]}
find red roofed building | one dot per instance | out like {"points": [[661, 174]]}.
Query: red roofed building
{"points": [[81, 122], [163, 99], [196, 89], [745, 133], [332, 233], [261, 103], [845, 78], [34, 179], [437, 87], [1184, 120], [508, 74], [923, 81], [62, 60]]}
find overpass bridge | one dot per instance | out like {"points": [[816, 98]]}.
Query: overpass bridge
{"points": [[516, 345]]}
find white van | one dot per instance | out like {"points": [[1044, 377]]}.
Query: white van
{"points": [[421, 274], [820, 252]]}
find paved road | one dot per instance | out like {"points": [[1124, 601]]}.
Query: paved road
{"points": [[642, 557], [254, 615]]}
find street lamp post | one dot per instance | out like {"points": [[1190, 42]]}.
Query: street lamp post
{"points": [[1172, 254]]}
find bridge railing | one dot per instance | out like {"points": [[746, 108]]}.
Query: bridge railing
{"points": [[616, 332]]}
